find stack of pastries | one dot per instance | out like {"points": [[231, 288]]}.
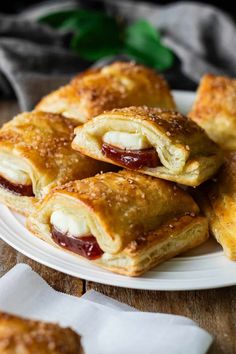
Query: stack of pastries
{"points": [[104, 168]]}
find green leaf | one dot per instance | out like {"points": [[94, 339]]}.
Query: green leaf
{"points": [[56, 19], [142, 42], [96, 35], [99, 39], [73, 20]]}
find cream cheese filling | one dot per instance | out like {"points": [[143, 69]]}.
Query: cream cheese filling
{"points": [[130, 141], [70, 223], [13, 172]]}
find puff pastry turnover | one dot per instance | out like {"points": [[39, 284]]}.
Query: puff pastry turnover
{"points": [[117, 85], [217, 198], [36, 155], [21, 336], [157, 142], [125, 222], [215, 109]]}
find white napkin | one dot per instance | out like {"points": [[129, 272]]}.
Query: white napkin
{"points": [[107, 326]]}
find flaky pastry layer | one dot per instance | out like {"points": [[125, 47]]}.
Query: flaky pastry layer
{"points": [[39, 144], [215, 109], [120, 84], [186, 154], [217, 199], [19, 335], [137, 220]]}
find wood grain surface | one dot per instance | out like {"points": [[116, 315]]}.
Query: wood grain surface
{"points": [[214, 310]]}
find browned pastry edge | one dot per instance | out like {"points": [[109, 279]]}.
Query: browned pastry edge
{"points": [[137, 220], [119, 84], [186, 154], [24, 336], [217, 199], [41, 142], [214, 109]]}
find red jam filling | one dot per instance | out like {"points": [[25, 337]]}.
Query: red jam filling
{"points": [[19, 189], [133, 159], [85, 246]]}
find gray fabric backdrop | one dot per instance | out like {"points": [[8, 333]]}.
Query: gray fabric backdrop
{"points": [[34, 59]]}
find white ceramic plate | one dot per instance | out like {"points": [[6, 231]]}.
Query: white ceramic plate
{"points": [[203, 268]]}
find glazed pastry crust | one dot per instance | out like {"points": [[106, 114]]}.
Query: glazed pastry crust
{"points": [[138, 221], [186, 154], [215, 109], [177, 236], [41, 142], [119, 206], [217, 198], [117, 85], [168, 241], [20, 204], [18, 335]]}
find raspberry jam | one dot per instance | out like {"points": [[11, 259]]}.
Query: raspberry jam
{"points": [[133, 159], [19, 189], [85, 246]]}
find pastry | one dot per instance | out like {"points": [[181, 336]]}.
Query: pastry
{"points": [[125, 222], [35, 156], [22, 336], [120, 84], [215, 109], [157, 142], [217, 198]]}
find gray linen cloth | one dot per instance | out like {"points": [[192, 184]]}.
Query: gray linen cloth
{"points": [[34, 59]]}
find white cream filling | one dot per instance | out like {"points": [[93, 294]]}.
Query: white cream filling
{"points": [[68, 222], [13, 172], [122, 140]]}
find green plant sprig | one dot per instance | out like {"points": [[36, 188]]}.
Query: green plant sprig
{"points": [[95, 35]]}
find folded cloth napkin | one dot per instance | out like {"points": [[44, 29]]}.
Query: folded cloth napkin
{"points": [[107, 326], [34, 59]]}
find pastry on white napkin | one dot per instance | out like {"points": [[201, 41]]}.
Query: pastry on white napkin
{"points": [[106, 326]]}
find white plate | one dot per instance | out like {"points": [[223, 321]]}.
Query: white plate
{"points": [[203, 268]]}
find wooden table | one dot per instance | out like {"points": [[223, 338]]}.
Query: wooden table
{"points": [[214, 310]]}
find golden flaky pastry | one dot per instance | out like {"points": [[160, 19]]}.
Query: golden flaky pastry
{"points": [[157, 142], [217, 199], [125, 222], [215, 109], [117, 85], [35, 156], [22, 336]]}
